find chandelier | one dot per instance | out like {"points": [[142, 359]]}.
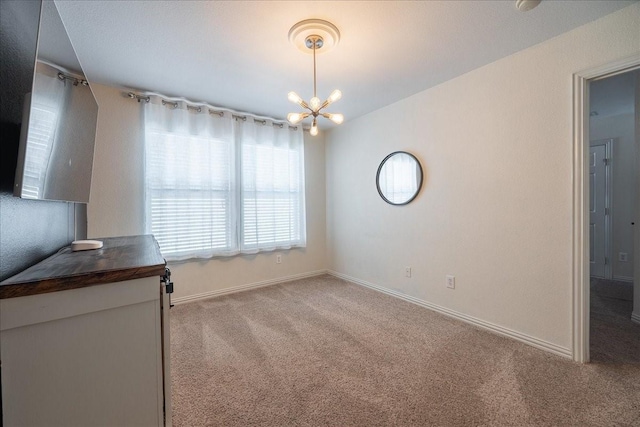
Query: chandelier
{"points": [[314, 34]]}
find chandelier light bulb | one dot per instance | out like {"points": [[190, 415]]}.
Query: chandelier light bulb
{"points": [[335, 95], [296, 117], [294, 97], [315, 103], [335, 118], [314, 128]]}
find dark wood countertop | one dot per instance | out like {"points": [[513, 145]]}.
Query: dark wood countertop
{"points": [[120, 258]]}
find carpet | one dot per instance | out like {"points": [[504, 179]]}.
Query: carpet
{"points": [[325, 352]]}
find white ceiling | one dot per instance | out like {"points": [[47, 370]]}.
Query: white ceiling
{"points": [[236, 54]]}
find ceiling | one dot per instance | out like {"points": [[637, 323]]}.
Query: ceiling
{"points": [[236, 54]]}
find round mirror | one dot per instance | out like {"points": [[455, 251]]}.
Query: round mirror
{"points": [[399, 178]]}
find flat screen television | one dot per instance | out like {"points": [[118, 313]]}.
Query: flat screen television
{"points": [[57, 137]]}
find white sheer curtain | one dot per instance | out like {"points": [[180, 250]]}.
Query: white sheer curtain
{"points": [[191, 205], [216, 185], [48, 99], [272, 176]]}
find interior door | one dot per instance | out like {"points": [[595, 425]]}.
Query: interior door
{"points": [[597, 210]]}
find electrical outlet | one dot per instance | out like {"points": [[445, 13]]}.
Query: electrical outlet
{"points": [[407, 271], [623, 257], [278, 259], [451, 281]]}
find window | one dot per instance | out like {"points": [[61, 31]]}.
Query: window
{"points": [[189, 197], [272, 188], [41, 135], [216, 186]]}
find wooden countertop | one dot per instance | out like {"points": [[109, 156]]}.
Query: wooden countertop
{"points": [[120, 258]]}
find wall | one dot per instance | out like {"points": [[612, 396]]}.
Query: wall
{"points": [[116, 206], [496, 206], [622, 129]]}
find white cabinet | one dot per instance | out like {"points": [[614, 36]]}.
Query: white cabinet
{"points": [[84, 357]]}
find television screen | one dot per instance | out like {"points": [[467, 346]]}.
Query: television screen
{"points": [[57, 139]]}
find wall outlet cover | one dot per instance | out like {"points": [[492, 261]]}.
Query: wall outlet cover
{"points": [[451, 281]]}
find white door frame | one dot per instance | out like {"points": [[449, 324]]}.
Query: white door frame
{"points": [[608, 203], [580, 249]]}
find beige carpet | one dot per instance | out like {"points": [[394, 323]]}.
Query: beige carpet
{"points": [[324, 352]]}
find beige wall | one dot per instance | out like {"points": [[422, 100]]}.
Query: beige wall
{"points": [[117, 194], [496, 206]]}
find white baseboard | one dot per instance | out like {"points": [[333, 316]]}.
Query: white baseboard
{"points": [[623, 279], [247, 287], [635, 317], [501, 330]]}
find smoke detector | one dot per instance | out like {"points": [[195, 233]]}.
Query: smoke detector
{"points": [[526, 5]]}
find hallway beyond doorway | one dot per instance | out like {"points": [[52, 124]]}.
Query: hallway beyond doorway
{"points": [[614, 338]]}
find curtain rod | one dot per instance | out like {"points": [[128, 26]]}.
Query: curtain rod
{"points": [[76, 81], [64, 73], [198, 108]]}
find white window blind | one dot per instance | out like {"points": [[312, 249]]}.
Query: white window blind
{"points": [[189, 170], [217, 187], [41, 135], [272, 187]]}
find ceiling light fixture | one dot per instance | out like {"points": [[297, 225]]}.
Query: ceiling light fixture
{"points": [[318, 36], [527, 5]]}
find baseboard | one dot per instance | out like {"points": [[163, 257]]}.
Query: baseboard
{"points": [[501, 330], [623, 279], [247, 287], [635, 317]]}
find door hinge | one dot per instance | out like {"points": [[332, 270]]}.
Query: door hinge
{"points": [[606, 211], [606, 161], [606, 261]]}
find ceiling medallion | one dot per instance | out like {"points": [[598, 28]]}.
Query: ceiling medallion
{"points": [[316, 36]]}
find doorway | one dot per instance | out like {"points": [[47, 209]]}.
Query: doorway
{"points": [[617, 262], [613, 338]]}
